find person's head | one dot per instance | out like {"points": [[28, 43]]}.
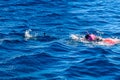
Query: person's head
{"points": [[90, 37]]}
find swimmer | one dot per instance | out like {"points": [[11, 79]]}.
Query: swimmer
{"points": [[94, 38]]}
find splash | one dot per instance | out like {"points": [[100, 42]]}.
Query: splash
{"points": [[27, 34], [30, 35], [74, 37], [78, 38]]}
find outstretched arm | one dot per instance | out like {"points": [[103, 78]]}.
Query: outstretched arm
{"points": [[74, 37]]}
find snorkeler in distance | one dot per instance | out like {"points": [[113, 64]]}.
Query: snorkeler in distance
{"points": [[28, 35], [44, 37], [94, 38]]}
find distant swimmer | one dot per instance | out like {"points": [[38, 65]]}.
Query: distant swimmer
{"points": [[94, 38], [29, 34]]}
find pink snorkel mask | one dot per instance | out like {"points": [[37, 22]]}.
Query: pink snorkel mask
{"points": [[92, 37]]}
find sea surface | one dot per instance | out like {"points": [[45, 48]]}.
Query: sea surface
{"points": [[35, 41]]}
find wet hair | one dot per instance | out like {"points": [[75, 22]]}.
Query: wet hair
{"points": [[87, 36]]}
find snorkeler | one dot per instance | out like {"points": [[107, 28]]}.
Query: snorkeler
{"points": [[94, 38]]}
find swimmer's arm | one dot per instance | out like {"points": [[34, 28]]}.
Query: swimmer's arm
{"points": [[82, 39], [74, 37]]}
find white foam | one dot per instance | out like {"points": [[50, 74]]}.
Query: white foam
{"points": [[74, 37], [27, 33], [30, 34]]}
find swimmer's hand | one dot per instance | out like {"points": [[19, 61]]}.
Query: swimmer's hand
{"points": [[74, 37], [99, 39]]}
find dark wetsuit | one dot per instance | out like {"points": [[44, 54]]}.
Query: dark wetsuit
{"points": [[98, 39]]}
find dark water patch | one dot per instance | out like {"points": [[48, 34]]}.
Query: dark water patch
{"points": [[52, 76], [24, 78], [5, 74], [117, 77], [92, 70], [95, 61], [59, 47], [30, 63], [12, 41], [15, 34], [116, 34], [86, 52], [38, 59], [116, 16], [18, 3], [3, 20], [13, 44], [24, 69], [46, 38], [30, 3], [101, 50], [75, 71], [116, 58], [54, 15], [2, 35]]}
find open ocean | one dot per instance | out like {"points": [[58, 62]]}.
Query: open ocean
{"points": [[55, 56]]}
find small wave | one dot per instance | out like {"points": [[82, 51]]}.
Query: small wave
{"points": [[92, 68], [7, 41], [28, 59], [58, 47], [46, 38], [11, 44], [53, 15], [23, 78]]}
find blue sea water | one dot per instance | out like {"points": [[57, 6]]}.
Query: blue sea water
{"points": [[55, 56]]}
